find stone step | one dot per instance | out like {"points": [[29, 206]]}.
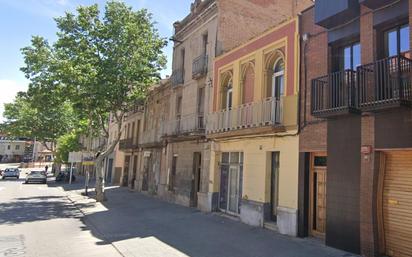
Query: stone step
{"points": [[271, 226]]}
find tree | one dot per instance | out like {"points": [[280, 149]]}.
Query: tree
{"points": [[25, 117], [102, 63], [66, 144]]}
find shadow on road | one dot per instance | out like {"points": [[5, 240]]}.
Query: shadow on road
{"points": [[37, 208]]}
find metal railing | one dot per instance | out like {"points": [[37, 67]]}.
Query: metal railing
{"points": [[126, 144], [268, 112], [177, 77], [152, 135], [334, 92], [385, 82], [199, 66], [192, 123]]}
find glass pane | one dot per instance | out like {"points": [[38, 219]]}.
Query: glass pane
{"points": [[391, 43], [225, 157], [280, 66], [229, 100], [356, 56], [223, 187], [320, 161], [241, 157], [347, 58], [279, 86], [404, 35], [234, 158], [233, 189]]}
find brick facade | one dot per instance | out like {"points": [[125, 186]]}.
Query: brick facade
{"points": [[373, 127]]}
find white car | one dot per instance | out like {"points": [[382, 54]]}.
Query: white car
{"points": [[10, 173]]}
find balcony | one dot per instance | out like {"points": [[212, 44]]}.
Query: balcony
{"points": [[152, 137], [127, 144], [385, 84], [268, 112], [334, 94], [199, 66], [374, 4], [330, 14], [188, 125], [177, 77]]}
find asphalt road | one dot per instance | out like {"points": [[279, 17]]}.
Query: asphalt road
{"points": [[39, 220], [55, 220]]}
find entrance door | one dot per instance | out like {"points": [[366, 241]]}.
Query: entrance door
{"points": [[396, 203], [274, 186], [134, 171], [317, 220], [126, 171], [109, 171], [197, 166], [231, 182], [145, 179]]}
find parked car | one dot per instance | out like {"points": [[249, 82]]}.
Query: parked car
{"points": [[36, 177], [10, 173]]}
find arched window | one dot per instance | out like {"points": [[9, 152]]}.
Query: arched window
{"points": [[278, 79], [248, 81], [229, 95], [227, 92]]}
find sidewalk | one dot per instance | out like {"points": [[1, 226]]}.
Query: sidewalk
{"points": [[138, 225]]}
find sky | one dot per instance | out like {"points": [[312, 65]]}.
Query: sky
{"points": [[21, 19]]}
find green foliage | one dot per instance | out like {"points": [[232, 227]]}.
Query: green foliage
{"points": [[43, 120], [66, 144], [107, 63]]}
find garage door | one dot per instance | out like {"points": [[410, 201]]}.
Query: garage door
{"points": [[397, 204]]}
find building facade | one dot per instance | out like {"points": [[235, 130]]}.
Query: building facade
{"points": [[355, 158], [253, 129]]}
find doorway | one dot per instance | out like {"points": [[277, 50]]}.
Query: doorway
{"points": [[145, 179], [274, 186], [317, 188], [125, 181], [134, 175], [109, 171], [231, 182], [197, 167]]}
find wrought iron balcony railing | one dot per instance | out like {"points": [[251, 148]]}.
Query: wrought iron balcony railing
{"points": [[191, 124], [385, 83], [127, 144], [199, 66], [268, 112], [177, 77], [334, 94]]}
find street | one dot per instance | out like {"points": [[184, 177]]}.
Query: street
{"points": [[40, 221], [50, 220]]}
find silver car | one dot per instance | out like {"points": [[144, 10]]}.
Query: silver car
{"points": [[36, 177], [10, 173]]}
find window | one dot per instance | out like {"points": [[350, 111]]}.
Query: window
{"points": [[8, 147], [227, 102], [204, 43], [172, 175], [278, 79], [179, 106], [132, 135], [347, 57], [17, 147], [183, 56], [396, 41]]}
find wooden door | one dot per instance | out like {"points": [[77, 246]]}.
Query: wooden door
{"points": [[397, 204], [274, 186], [317, 217], [197, 165]]}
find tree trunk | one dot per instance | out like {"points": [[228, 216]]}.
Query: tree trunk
{"points": [[99, 188]]}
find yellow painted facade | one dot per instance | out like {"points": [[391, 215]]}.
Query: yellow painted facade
{"points": [[258, 144], [257, 167]]}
